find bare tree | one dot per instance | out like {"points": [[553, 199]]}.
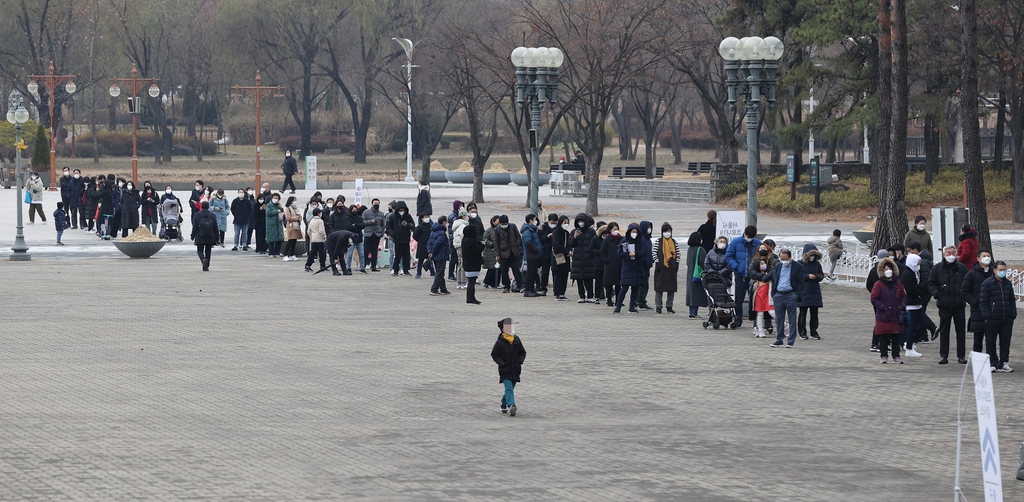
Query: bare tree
{"points": [[891, 224], [973, 178], [653, 94]]}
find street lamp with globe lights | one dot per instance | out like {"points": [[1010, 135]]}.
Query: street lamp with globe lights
{"points": [[51, 81], [751, 64], [17, 115], [536, 84], [135, 84]]}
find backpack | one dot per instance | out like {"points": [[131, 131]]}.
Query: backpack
{"points": [[207, 227]]}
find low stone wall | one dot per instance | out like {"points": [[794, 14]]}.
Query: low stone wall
{"points": [[724, 174]]}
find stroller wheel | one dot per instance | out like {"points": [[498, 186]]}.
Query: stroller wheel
{"points": [[705, 325], [715, 325]]}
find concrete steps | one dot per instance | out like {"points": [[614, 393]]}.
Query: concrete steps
{"points": [[691, 192]]}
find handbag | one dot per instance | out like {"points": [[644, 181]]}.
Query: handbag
{"points": [[28, 197], [559, 259], [902, 319]]}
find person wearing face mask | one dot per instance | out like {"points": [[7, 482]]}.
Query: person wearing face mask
{"points": [[646, 230], [204, 234], [34, 189], [220, 207], [889, 299], [373, 230], [337, 245], [472, 254], [116, 194], [292, 229], [561, 261], [999, 309], [508, 247], [666, 271], [317, 233], [92, 202], [810, 293], [631, 271], [423, 204], [715, 260], [609, 256], [738, 255], [197, 194], [916, 287], [971, 291], [530, 253], [76, 199], [508, 353], [918, 234], [275, 229], [150, 208], [402, 226], [131, 201], [422, 235], [760, 273], [787, 282], [241, 210], [65, 186], [835, 252], [289, 167], [355, 225], [438, 249], [458, 230], [600, 232], [542, 214], [967, 250], [259, 221], [544, 234], [945, 284], [490, 256], [474, 218], [582, 268], [457, 206]]}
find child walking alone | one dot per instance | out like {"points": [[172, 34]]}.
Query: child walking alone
{"points": [[509, 354], [60, 221]]}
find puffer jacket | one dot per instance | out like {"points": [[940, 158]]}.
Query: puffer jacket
{"points": [[740, 253], [507, 242], [458, 229], [531, 242], [997, 300], [611, 259], [438, 244], [422, 235], [835, 248], [754, 271], [945, 284], [889, 299], [560, 244], [489, 256], [583, 262], [715, 261], [971, 291], [810, 289], [632, 271], [967, 250]]}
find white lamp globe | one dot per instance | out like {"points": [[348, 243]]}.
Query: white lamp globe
{"points": [[727, 49], [10, 115], [517, 57], [528, 57], [21, 115], [115, 91], [755, 48], [71, 87], [556, 57], [541, 57], [32, 87], [154, 91], [775, 48]]}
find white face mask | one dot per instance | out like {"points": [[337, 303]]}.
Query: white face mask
{"points": [[748, 239], [131, 187], [277, 201], [426, 220], [764, 266], [67, 173], [504, 227], [401, 213], [784, 262], [288, 154], [634, 234], [920, 228], [580, 224], [168, 192], [249, 192], [241, 195], [667, 235], [949, 259], [199, 187], [986, 261], [473, 215], [888, 273], [721, 245], [615, 233], [565, 226], [78, 176], [120, 185]]}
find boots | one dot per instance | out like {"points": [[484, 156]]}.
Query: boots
{"points": [[471, 292]]}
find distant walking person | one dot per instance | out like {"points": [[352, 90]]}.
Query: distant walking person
{"points": [[34, 187], [204, 234], [289, 167], [835, 252], [508, 353]]}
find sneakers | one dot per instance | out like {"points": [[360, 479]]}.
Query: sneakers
{"points": [[803, 336], [913, 353], [645, 307], [504, 409], [759, 333], [897, 360], [961, 360], [815, 336], [874, 348], [234, 248], [777, 345], [943, 361], [582, 300], [435, 293], [512, 410], [617, 311], [634, 311], [308, 269], [1005, 368], [591, 300], [885, 360], [658, 311], [670, 311], [286, 258]]}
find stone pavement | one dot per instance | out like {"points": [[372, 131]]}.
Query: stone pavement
{"points": [[150, 380]]}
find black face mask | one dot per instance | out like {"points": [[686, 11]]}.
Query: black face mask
{"points": [[764, 252], [376, 207]]}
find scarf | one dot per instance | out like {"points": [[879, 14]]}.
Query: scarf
{"points": [[508, 338], [668, 251]]}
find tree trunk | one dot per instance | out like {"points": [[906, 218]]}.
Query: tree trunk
{"points": [[931, 147], [622, 123], [649, 163], [1017, 131], [892, 214], [425, 167], [880, 157], [997, 158], [677, 136], [975, 181]]}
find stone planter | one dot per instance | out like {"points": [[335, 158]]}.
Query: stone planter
{"points": [[139, 249]]}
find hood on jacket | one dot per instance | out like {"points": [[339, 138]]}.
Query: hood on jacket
{"points": [[880, 268], [469, 232], [456, 204], [647, 228], [630, 228], [811, 250], [914, 263], [969, 235], [587, 221], [694, 240], [435, 226], [603, 229], [401, 205]]}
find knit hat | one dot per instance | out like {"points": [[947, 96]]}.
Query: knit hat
{"points": [[882, 254], [463, 213], [503, 322]]}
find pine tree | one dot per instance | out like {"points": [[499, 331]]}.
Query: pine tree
{"points": [[41, 152]]}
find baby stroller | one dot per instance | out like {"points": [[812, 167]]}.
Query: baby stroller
{"points": [[170, 221], [720, 301]]}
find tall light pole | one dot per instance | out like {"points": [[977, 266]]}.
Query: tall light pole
{"points": [[17, 115], [407, 45], [135, 85], [536, 84], [257, 92], [51, 82], [750, 68], [810, 139]]}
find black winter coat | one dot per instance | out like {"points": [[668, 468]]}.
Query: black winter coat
{"points": [[509, 357], [423, 205], [946, 283], [356, 226], [507, 242], [130, 202], [583, 262], [400, 233], [997, 300], [595, 252], [971, 291], [472, 250], [810, 291], [197, 221], [150, 208], [241, 210], [611, 260], [421, 235], [915, 290], [560, 245]]}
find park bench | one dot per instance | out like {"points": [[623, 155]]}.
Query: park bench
{"points": [[635, 172], [699, 167]]}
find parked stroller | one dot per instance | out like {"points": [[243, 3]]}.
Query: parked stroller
{"points": [[170, 221], [720, 301]]}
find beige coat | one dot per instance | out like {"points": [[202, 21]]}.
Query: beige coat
{"points": [[316, 230], [36, 189], [293, 224]]}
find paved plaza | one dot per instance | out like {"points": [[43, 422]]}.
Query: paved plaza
{"points": [[151, 380]]}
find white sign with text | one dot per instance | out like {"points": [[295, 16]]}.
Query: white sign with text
{"points": [[310, 173], [358, 198], [986, 401], [731, 224]]}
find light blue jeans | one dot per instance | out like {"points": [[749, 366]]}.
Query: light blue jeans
{"points": [[241, 230], [362, 257], [509, 399]]}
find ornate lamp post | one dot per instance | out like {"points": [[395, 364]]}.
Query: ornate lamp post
{"points": [[51, 81], [135, 84], [17, 115], [257, 92], [750, 67], [407, 45], [536, 84]]}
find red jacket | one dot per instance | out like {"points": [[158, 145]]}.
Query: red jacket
{"points": [[967, 251]]}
